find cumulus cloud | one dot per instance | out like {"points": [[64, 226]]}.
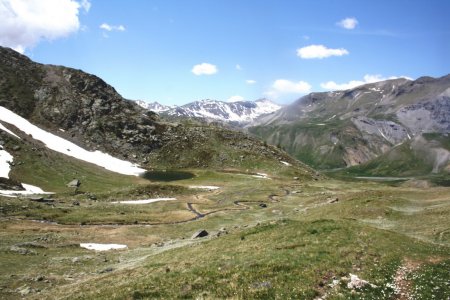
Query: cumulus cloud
{"points": [[24, 23], [204, 69], [348, 23], [284, 86], [319, 51], [331, 85], [107, 27], [250, 81], [235, 98]]}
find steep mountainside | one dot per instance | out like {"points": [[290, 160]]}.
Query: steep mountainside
{"points": [[85, 110], [235, 113], [347, 128]]}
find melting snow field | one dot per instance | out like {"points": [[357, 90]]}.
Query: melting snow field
{"points": [[5, 167], [61, 145], [145, 201], [204, 187], [285, 163], [29, 190], [5, 158], [102, 247]]}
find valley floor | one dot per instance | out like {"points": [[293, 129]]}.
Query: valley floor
{"points": [[272, 237]]}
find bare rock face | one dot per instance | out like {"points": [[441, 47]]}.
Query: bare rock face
{"points": [[388, 130], [431, 115]]}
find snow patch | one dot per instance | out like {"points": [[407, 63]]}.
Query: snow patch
{"points": [[61, 145], [285, 163], [261, 175], [5, 167], [334, 116], [205, 187], [145, 201], [29, 190], [102, 247]]}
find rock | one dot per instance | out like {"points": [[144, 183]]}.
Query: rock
{"points": [[22, 251], [332, 200], [16, 148], [296, 178], [200, 233], [23, 291], [222, 231], [74, 183], [10, 184], [91, 196], [357, 283], [76, 203], [107, 270], [75, 260], [262, 205]]}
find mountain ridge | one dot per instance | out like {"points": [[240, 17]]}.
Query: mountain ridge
{"points": [[352, 127], [236, 113]]}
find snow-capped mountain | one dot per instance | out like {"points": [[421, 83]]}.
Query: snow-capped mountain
{"points": [[241, 112], [153, 106]]}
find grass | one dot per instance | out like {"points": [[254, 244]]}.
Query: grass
{"points": [[292, 249]]}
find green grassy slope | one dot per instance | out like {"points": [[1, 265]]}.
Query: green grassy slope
{"points": [[293, 248]]}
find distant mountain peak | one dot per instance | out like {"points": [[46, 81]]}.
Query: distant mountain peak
{"points": [[240, 112]]}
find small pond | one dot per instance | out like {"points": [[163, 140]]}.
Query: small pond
{"points": [[169, 175]]}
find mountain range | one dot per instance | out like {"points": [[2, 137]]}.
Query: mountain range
{"points": [[353, 127], [236, 113]]}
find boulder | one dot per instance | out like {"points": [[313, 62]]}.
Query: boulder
{"points": [[74, 183], [200, 233], [332, 200]]}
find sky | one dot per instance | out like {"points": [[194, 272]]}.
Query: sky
{"points": [[176, 52]]}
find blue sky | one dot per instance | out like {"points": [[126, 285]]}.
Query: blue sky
{"points": [[244, 49]]}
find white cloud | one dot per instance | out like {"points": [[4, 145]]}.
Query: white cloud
{"points": [[284, 86], [107, 27], [238, 67], [331, 85], [204, 69], [235, 98], [86, 5], [250, 81], [348, 23], [319, 51], [24, 23]]}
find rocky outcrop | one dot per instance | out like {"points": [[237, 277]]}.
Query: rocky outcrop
{"points": [[427, 116], [388, 130]]}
